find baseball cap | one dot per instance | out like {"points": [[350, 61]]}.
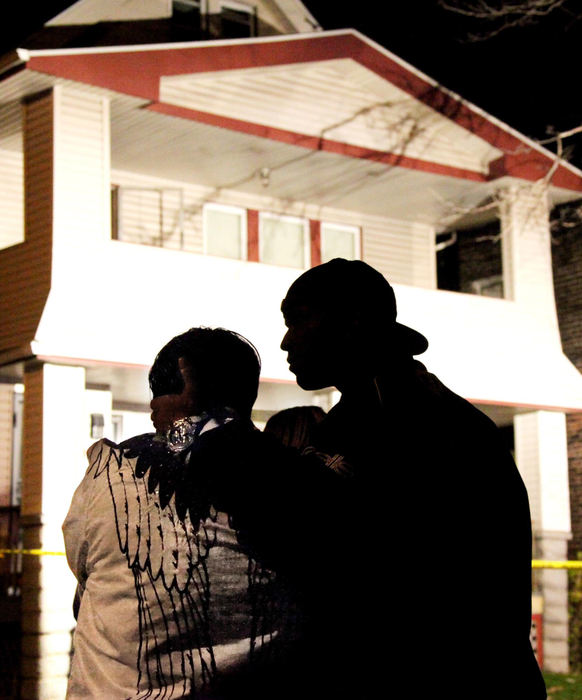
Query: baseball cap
{"points": [[353, 284]]}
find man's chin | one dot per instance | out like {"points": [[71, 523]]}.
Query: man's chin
{"points": [[310, 383]]}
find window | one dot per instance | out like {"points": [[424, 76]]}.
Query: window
{"points": [[186, 12], [339, 241], [225, 231], [469, 260], [283, 240], [237, 20], [117, 427], [148, 215]]}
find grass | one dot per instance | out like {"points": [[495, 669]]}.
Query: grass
{"points": [[562, 686]]}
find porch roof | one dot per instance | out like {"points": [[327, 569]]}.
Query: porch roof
{"points": [[333, 117]]}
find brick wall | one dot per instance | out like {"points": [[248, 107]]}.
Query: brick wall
{"points": [[567, 270], [475, 255]]}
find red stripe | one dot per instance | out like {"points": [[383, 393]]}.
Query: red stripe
{"points": [[315, 241], [139, 72], [316, 143], [252, 235]]}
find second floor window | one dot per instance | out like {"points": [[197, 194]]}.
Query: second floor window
{"points": [[225, 232], [469, 260], [339, 241], [186, 12], [283, 240], [237, 20], [148, 215]]}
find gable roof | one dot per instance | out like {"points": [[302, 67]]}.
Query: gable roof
{"points": [[356, 98]]}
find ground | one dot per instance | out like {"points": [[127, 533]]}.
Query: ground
{"points": [[562, 686]]}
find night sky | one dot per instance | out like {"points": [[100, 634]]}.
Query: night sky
{"points": [[527, 77]]}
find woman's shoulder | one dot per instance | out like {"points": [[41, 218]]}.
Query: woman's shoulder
{"points": [[104, 450]]}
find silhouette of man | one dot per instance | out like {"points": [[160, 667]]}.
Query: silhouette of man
{"points": [[413, 551]]}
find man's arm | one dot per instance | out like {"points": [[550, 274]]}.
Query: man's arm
{"points": [[275, 496]]}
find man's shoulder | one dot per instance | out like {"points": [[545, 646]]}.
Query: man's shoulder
{"points": [[446, 402]]}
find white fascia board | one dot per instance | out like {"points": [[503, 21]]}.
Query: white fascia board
{"points": [[299, 15], [135, 48]]}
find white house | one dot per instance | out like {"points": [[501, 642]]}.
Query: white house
{"points": [[153, 187]]}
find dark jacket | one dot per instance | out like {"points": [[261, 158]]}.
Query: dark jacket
{"points": [[413, 564]]}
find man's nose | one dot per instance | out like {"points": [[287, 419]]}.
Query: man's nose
{"points": [[285, 342]]}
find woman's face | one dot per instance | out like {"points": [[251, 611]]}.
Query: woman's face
{"points": [[191, 401]]}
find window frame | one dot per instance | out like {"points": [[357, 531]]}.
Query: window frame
{"points": [[292, 219], [349, 228], [119, 207], [242, 7], [228, 209]]}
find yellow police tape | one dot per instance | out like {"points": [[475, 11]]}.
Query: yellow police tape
{"points": [[34, 552], [543, 564], [536, 563]]}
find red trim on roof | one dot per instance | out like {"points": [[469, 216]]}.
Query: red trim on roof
{"points": [[138, 73], [315, 143], [533, 166]]}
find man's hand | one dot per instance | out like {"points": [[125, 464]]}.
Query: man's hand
{"points": [[171, 407]]}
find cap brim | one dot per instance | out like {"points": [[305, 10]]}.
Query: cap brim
{"points": [[413, 341]]}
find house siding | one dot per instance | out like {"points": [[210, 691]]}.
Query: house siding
{"points": [[11, 198], [81, 186], [23, 293], [6, 393], [32, 442], [567, 263], [402, 251]]}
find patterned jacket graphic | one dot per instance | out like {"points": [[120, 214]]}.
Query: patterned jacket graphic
{"points": [[168, 607]]}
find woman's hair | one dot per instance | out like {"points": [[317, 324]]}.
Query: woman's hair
{"points": [[226, 367], [294, 426]]}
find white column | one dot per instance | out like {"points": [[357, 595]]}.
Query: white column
{"points": [[53, 459], [541, 452], [527, 254]]}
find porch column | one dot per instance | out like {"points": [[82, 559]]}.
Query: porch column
{"points": [[526, 250], [541, 452], [54, 440]]}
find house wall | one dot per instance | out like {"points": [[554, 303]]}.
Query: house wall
{"points": [[92, 11], [54, 431], [402, 251], [567, 263], [24, 290], [96, 280], [526, 251], [11, 197], [6, 393], [540, 436]]}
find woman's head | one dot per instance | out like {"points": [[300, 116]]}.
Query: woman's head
{"points": [[225, 369]]}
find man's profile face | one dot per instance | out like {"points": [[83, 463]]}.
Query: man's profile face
{"points": [[309, 343]]}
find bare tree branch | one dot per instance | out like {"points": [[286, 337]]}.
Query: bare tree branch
{"points": [[501, 14]]}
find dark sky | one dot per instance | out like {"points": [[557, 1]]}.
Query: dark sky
{"points": [[526, 77]]}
